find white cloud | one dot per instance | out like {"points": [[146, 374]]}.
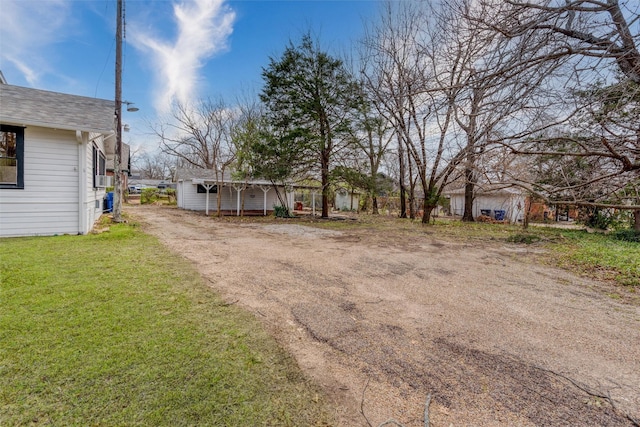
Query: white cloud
{"points": [[28, 28], [203, 27]]}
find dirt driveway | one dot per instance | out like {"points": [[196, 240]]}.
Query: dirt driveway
{"points": [[380, 322]]}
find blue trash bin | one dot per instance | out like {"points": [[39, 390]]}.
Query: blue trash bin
{"points": [[109, 202], [499, 215]]}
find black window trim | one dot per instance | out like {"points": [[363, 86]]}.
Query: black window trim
{"points": [[19, 131], [96, 157], [201, 190]]}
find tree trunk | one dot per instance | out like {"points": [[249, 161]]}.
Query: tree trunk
{"points": [[468, 196], [373, 167], [412, 200], [469, 171], [281, 199], [403, 194], [325, 184], [242, 203], [219, 199], [427, 209], [636, 219], [412, 189], [527, 212]]}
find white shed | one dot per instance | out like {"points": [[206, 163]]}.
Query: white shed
{"points": [[197, 190], [52, 161], [347, 200], [491, 200]]}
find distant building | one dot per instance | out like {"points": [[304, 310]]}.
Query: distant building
{"points": [[496, 201]]}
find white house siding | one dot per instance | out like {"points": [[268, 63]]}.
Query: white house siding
{"points": [[48, 204], [180, 194], [512, 204], [189, 198], [94, 197], [254, 199], [347, 200]]}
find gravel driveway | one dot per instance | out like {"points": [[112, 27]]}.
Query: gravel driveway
{"points": [[381, 321]]}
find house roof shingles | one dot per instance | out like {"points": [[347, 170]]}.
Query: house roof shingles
{"points": [[35, 107]]}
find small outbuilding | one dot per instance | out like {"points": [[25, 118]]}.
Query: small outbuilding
{"points": [[498, 202], [347, 200], [198, 189]]}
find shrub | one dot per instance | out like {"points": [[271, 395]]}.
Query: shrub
{"points": [[149, 195], [171, 196], [599, 219], [281, 211], [628, 235], [605, 219]]}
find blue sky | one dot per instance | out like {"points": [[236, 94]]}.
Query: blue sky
{"points": [[186, 49]]}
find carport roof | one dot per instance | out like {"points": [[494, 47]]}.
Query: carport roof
{"points": [[209, 175]]}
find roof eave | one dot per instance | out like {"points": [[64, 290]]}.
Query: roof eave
{"points": [[59, 126], [253, 182]]}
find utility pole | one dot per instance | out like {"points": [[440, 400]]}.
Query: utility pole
{"points": [[117, 189]]}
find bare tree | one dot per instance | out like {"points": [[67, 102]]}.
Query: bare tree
{"points": [[421, 63], [488, 80], [588, 29], [157, 165], [598, 131], [200, 136], [246, 132], [395, 70], [372, 135]]}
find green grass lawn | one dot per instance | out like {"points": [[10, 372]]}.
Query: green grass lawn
{"points": [[111, 329], [601, 256]]}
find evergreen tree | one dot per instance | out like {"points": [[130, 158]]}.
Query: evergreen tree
{"points": [[310, 101]]}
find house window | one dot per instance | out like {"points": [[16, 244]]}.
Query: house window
{"points": [[213, 189], [99, 165], [11, 156]]}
